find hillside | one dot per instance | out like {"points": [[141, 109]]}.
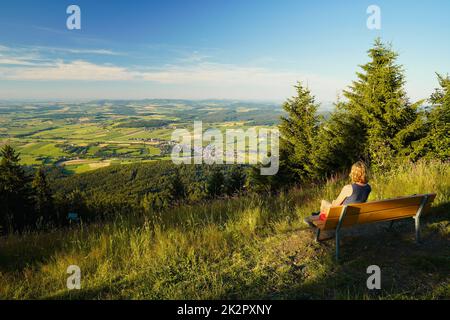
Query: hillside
{"points": [[247, 247]]}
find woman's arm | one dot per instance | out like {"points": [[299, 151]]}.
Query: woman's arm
{"points": [[345, 193]]}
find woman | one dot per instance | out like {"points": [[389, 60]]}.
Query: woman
{"points": [[357, 192]]}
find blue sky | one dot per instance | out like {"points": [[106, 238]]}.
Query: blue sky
{"points": [[200, 49]]}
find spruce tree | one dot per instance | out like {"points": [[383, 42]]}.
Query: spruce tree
{"points": [[379, 102], [339, 143], [298, 131], [235, 181], [43, 197], [435, 143], [15, 192], [215, 183]]}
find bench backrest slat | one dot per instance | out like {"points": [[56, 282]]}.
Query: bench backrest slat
{"points": [[384, 210]]}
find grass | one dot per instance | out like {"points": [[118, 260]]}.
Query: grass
{"points": [[41, 149], [244, 248]]}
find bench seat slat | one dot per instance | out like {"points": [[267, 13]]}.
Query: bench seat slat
{"points": [[375, 211]]}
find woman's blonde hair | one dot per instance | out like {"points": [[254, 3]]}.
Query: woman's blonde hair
{"points": [[359, 172]]}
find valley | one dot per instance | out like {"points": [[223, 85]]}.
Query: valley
{"points": [[86, 136]]}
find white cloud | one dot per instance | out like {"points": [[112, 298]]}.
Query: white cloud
{"points": [[213, 77], [210, 73], [75, 70], [105, 52], [12, 61], [20, 57], [192, 76], [20, 60]]}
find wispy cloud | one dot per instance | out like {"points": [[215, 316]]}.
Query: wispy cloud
{"points": [[193, 69], [202, 72], [75, 70], [77, 51], [12, 56], [40, 55], [15, 62]]}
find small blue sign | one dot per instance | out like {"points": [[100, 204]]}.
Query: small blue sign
{"points": [[72, 216]]}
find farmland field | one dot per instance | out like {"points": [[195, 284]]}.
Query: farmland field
{"points": [[86, 136]]}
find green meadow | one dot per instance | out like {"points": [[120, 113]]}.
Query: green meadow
{"points": [[241, 248]]}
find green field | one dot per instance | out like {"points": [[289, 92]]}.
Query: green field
{"points": [[116, 131]]}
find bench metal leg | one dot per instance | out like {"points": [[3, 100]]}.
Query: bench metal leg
{"points": [[318, 235], [417, 217], [337, 245], [338, 228]]}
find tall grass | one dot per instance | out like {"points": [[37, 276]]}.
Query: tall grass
{"points": [[224, 249], [420, 178]]}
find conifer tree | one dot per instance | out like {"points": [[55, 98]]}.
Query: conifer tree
{"points": [[379, 101], [436, 141], [235, 181], [43, 196], [298, 132], [339, 143], [15, 192], [215, 183]]}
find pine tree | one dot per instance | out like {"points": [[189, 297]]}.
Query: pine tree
{"points": [[171, 188], [379, 102], [271, 184], [256, 182], [215, 183], [235, 181], [339, 143], [15, 192], [298, 132], [43, 196], [435, 143], [178, 189]]}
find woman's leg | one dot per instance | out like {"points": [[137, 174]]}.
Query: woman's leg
{"points": [[309, 220], [324, 206]]}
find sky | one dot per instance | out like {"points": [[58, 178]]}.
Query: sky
{"points": [[212, 49]]}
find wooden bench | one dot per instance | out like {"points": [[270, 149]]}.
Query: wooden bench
{"points": [[375, 211]]}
